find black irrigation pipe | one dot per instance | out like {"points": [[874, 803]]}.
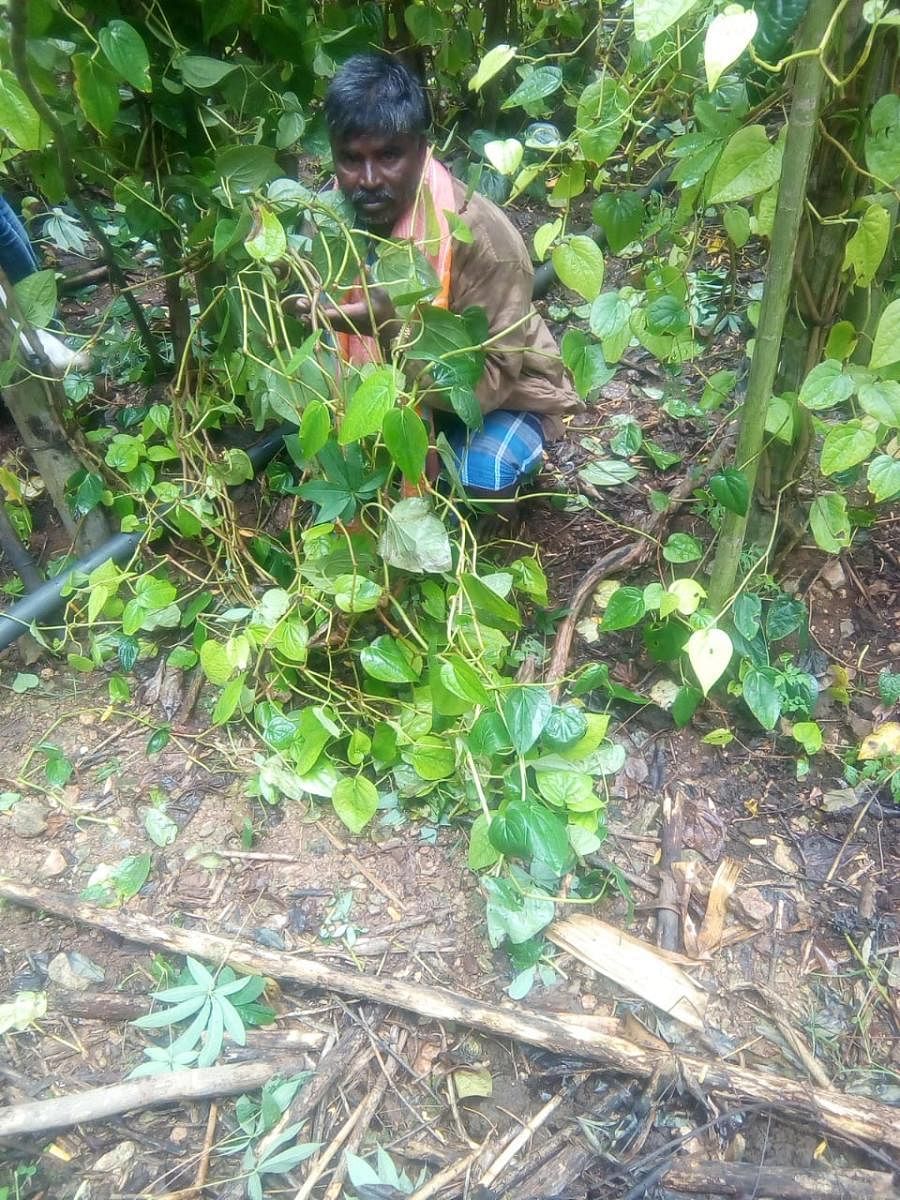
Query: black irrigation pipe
{"points": [[47, 598]]}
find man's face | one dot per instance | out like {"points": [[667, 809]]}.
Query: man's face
{"points": [[379, 175]]}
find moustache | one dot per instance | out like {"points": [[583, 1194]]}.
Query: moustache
{"points": [[363, 196]]}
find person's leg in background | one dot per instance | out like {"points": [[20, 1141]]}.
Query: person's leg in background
{"points": [[494, 462], [17, 257]]}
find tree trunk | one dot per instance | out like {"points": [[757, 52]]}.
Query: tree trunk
{"points": [[801, 134]]}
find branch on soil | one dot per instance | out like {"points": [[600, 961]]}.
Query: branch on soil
{"points": [[788, 1183], [840, 1115]]}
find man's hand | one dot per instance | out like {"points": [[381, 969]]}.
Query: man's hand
{"points": [[373, 317]]}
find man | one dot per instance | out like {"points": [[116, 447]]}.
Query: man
{"points": [[378, 116]]}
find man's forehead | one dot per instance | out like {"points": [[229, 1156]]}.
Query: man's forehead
{"points": [[375, 143]]}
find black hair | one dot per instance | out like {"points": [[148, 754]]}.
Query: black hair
{"points": [[375, 93]]}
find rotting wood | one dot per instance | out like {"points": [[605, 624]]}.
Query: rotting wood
{"points": [[777, 1183], [838, 1114], [99, 1104]]}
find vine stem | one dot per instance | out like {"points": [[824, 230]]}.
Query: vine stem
{"points": [[18, 18], [798, 149]]}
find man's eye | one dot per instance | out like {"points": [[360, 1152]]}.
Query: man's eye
{"points": [[390, 155]]}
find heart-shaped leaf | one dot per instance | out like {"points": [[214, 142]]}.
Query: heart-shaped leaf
{"points": [[709, 652]]}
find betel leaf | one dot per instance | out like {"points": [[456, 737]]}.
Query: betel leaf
{"points": [[127, 54], [244, 169], [653, 17], [846, 446], [600, 118], [879, 398], [504, 154], [882, 146], [492, 64], [865, 250], [607, 472], [36, 294], [462, 680], [481, 853], [746, 614], [541, 82], [512, 914], [572, 790], [490, 609], [728, 36], [431, 757], [685, 705], [829, 522], [610, 320], [784, 617], [585, 360], [579, 264], [761, 696], [883, 477], [749, 164], [406, 438], [389, 660], [201, 72], [886, 344], [566, 725], [682, 548], [355, 802], [97, 89], [620, 215], [528, 829], [731, 489], [367, 407], [267, 241], [18, 118], [315, 427], [526, 710], [709, 653], [414, 538], [826, 385], [626, 608]]}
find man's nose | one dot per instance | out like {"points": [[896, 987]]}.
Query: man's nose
{"points": [[371, 177]]}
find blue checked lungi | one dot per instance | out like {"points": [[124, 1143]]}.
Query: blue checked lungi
{"points": [[503, 453], [17, 258]]}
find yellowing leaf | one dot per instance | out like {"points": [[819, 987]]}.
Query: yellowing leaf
{"points": [[473, 1081], [492, 63], [505, 155], [882, 742], [728, 36], [24, 1008], [687, 593], [709, 652]]}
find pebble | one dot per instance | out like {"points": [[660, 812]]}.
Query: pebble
{"points": [[54, 864], [179, 1134], [74, 972], [834, 575], [29, 818]]}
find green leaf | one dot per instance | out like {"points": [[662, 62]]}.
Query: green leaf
{"points": [[489, 736], [784, 617], [572, 790], [620, 215], [159, 739], [731, 489], [541, 82], [880, 399], [291, 639], [681, 548], [737, 225], [580, 266], [667, 314], [749, 164], [424, 24], [267, 241], [387, 659], [492, 64], [728, 36], [544, 236], [653, 17], [826, 385], [607, 472], [24, 681], [889, 686], [481, 853], [584, 358], [865, 250], [512, 915], [717, 390], [36, 294], [244, 169], [463, 681], [626, 608], [18, 119], [846, 446], [215, 662], [127, 54], [406, 438], [685, 705], [526, 711], [58, 768], [566, 724], [746, 615], [354, 594], [355, 802], [504, 154], [201, 72], [431, 757], [886, 344], [414, 538], [367, 407], [809, 735], [97, 89], [829, 522], [228, 701], [315, 427], [882, 146], [842, 340], [761, 697], [489, 608], [160, 828], [525, 829], [884, 477], [627, 439], [709, 653]]}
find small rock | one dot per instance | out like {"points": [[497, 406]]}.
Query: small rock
{"points": [[753, 906], [588, 1002], [834, 575], [74, 972], [179, 1134], [29, 818], [54, 864], [848, 629], [118, 1159]]}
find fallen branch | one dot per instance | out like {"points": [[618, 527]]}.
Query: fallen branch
{"points": [[99, 1104], [839, 1114], [668, 925], [785, 1183], [625, 558]]}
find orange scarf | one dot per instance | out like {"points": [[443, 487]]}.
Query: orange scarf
{"points": [[425, 224]]}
